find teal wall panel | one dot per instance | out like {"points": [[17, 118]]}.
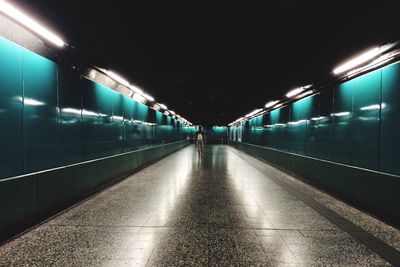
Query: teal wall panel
{"points": [[128, 124], [300, 113], [40, 112], [366, 110], [90, 120], [118, 124], [354, 122], [70, 135], [390, 141], [105, 98], [54, 116], [325, 142], [311, 140], [343, 123], [10, 109], [282, 133]]}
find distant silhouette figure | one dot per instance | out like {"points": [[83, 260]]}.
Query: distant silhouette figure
{"points": [[200, 139]]}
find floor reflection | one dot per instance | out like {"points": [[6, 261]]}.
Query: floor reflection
{"points": [[216, 210]]}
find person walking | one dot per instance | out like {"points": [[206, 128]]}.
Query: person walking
{"points": [[200, 139]]}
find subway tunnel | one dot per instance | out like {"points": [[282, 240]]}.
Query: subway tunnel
{"points": [[95, 171]]}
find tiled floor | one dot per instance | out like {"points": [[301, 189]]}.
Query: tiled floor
{"points": [[221, 210]]}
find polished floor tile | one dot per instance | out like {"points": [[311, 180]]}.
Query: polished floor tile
{"points": [[218, 210]]}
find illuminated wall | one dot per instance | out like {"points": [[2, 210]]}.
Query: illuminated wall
{"points": [[52, 116], [353, 123]]}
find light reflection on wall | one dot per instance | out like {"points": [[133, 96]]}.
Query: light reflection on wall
{"points": [[341, 114], [297, 122]]}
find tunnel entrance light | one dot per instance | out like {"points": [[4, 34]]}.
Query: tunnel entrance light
{"points": [[357, 61], [270, 104], [29, 23]]}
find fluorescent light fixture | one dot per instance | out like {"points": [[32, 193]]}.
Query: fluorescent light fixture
{"points": [[148, 97], [295, 92], [381, 60], [136, 89], [306, 93], [139, 98], [365, 57], [29, 23], [254, 112], [172, 112], [341, 114], [156, 107], [118, 78], [271, 103], [92, 74], [163, 106]]}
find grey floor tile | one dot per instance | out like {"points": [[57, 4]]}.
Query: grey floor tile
{"points": [[220, 211]]}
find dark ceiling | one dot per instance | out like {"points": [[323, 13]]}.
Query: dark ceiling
{"points": [[214, 61]]}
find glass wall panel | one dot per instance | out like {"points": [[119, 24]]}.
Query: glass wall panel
{"points": [[10, 109], [40, 112], [343, 123], [53, 116], [70, 136], [390, 127], [325, 121], [366, 120]]}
